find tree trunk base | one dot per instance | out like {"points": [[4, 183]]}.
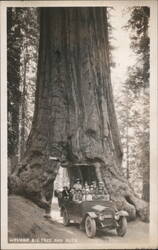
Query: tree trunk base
{"points": [[123, 195]]}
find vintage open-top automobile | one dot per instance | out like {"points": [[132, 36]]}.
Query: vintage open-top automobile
{"points": [[92, 215]]}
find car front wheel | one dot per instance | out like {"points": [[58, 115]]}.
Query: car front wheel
{"points": [[122, 229], [90, 227], [66, 220]]}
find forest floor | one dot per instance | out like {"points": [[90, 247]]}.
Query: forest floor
{"points": [[26, 221]]}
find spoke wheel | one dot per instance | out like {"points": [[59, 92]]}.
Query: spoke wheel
{"points": [[66, 220], [122, 229], [90, 226]]}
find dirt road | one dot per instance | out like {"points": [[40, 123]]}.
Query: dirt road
{"points": [[138, 231], [28, 224]]}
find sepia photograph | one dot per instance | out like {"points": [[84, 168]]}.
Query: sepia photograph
{"points": [[78, 124]]}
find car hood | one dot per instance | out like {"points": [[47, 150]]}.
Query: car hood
{"points": [[97, 206]]}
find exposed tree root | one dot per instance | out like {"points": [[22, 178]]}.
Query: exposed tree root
{"points": [[124, 197]]}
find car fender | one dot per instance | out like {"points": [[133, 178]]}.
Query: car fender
{"points": [[92, 214], [122, 213]]}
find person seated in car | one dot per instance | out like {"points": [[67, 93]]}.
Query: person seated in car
{"points": [[102, 192], [77, 185], [88, 192], [77, 197], [85, 190], [101, 186], [71, 194], [89, 197], [95, 187], [86, 186], [91, 190], [83, 194], [65, 193]]}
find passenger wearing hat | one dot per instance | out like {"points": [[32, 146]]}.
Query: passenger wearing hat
{"points": [[95, 187], [86, 190], [83, 194], [86, 186], [102, 192], [77, 185], [92, 191]]}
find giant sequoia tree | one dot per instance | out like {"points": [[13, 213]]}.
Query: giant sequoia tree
{"points": [[74, 115]]}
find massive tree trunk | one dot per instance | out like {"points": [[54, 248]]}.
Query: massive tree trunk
{"points": [[74, 115]]}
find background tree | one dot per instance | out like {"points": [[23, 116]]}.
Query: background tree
{"points": [[139, 82], [132, 105], [138, 24], [13, 78], [22, 41], [28, 70], [74, 116]]}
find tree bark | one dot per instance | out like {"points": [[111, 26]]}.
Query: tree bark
{"points": [[22, 113], [13, 83], [74, 115]]}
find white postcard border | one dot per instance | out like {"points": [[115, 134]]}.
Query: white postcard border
{"points": [[153, 243]]}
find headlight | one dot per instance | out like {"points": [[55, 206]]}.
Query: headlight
{"points": [[117, 216], [101, 217]]}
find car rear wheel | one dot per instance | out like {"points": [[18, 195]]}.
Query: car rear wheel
{"points": [[66, 220], [90, 227], [122, 229]]}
